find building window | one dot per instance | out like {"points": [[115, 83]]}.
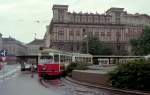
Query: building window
{"points": [[83, 19], [78, 47], [71, 47], [109, 34], [90, 19], [83, 32], [60, 15], [60, 33], [77, 33], [77, 18], [90, 34], [95, 19], [102, 19], [71, 33], [102, 33], [97, 34]]}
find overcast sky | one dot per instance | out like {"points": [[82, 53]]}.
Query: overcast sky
{"points": [[21, 19]]}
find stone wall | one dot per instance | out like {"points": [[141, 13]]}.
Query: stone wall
{"points": [[91, 77]]}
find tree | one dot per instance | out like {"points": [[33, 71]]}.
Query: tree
{"points": [[132, 75], [141, 46], [95, 47]]}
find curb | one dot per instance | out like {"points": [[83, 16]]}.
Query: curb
{"points": [[9, 73], [134, 92]]}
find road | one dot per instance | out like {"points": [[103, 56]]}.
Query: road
{"points": [[23, 84], [8, 70]]}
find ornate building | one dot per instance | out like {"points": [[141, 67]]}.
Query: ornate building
{"points": [[115, 28]]}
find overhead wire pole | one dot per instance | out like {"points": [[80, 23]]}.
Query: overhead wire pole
{"points": [[35, 35], [87, 46]]}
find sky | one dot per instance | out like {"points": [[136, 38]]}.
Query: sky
{"points": [[22, 19]]}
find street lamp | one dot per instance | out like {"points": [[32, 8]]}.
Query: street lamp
{"points": [[87, 46]]}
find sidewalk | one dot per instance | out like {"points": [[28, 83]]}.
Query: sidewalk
{"points": [[8, 71]]}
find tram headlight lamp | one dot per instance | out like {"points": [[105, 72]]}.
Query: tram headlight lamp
{"points": [[44, 68]]}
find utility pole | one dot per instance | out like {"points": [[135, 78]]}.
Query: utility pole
{"points": [[87, 46], [35, 36]]}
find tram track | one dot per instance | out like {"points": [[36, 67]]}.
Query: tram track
{"points": [[54, 82], [73, 83], [43, 83], [75, 88]]}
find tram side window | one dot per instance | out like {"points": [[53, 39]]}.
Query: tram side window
{"points": [[56, 58], [46, 59], [61, 58]]}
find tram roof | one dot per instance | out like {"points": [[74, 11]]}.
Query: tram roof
{"points": [[67, 53], [51, 50], [82, 55], [114, 56]]}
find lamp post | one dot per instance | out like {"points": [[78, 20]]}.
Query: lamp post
{"points": [[118, 42], [87, 46]]}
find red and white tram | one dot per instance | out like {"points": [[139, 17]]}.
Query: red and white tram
{"points": [[53, 62]]}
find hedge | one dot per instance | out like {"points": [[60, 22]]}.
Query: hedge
{"points": [[132, 75]]}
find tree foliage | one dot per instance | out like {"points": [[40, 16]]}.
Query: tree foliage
{"points": [[133, 75], [141, 46], [95, 47]]}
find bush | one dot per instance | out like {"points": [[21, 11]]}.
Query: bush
{"points": [[76, 66], [132, 75], [71, 67]]}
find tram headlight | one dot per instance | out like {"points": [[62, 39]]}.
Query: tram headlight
{"points": [[44, 68]]}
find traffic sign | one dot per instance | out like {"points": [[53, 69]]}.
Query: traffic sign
{"points": [[3, 59], [3, 53]]}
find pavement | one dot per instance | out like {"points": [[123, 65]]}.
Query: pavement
{"points": [[8, 70], [91, 76], [21, 83]]}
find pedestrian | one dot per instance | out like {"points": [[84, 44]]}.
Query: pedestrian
{"points": [[0, 66], [32, 70]]}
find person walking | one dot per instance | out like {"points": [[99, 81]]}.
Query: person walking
{"points": [[32, 70]]}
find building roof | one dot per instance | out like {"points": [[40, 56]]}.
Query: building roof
{"points": [[8, 39], [36, 42], [12, 39], [115, 9]]}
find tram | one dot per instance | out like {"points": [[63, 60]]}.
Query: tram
{"points": [[106, 60], [53, 62]]}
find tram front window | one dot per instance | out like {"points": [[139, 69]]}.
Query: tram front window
{"points": [[46, 59]]}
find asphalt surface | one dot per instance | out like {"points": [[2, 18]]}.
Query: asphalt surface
{"points": [[23, 84]]}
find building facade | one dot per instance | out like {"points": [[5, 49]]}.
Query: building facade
{"points": [[34, 47], [14, 47], [115, 28], [34, 50], [1, 42]]}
